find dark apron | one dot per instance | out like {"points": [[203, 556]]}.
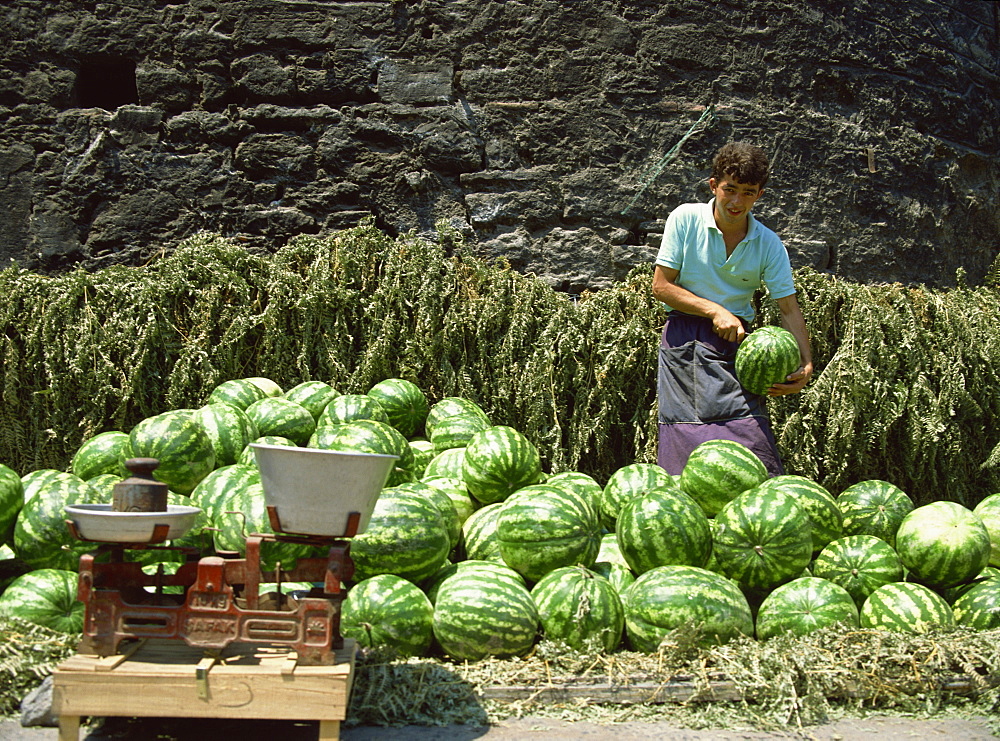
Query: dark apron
{"points": [[700, 398]]}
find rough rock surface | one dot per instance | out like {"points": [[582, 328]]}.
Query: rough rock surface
{"points": [[545, 132]]}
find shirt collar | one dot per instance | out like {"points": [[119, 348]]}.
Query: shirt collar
{"points": [[708, 216]]}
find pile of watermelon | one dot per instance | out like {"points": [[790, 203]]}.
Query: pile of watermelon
{"points": [[473, 550]]}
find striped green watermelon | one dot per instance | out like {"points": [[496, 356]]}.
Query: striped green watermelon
{"points": [[104, 484], [440, 499], [906, 607], [479, 534], [579, 608], [369, 436], [248, 458], [457, 430], [179, 443], [804, 605], [860, 564], [404, 402], [11, 501], [717, 471], [456, 491], [497, 462], [979, 606], [493, 569], [620, 576], [874, 507], [627, 482], [102, 453], [583, 484], [670, 597], [212, 495], [41, 538], [313, 396], [611, 551], [229, 428], [33, 481], [943, 544], [951, 594], [449, 464], [406, 536], [387, 611], [45, 597], [661, 527], [240, 392], [541, 528], [422, 452], [276, 416], [761, 540], [242, 511], [765, 357], [816, 502], [351, 407], [269, 387], [989, 512], [477, 615], [450, 406]]}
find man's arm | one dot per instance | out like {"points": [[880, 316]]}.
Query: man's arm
{"points": [[724, 323], [794, 322]]}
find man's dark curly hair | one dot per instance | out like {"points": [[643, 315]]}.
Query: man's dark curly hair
{"points": [[744, 162]]}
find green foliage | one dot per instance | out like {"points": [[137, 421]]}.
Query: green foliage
{"points": [[28, 653], [905, 388]]}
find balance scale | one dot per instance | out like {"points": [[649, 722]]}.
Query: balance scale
{"points": [[317, 497]]}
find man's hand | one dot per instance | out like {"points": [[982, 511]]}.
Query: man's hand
{"points": [[728, 326], [795, 382]]}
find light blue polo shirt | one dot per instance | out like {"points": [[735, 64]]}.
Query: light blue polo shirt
{"points": [[693, 245]]}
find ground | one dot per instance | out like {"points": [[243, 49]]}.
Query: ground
{"points": [[529, 727]]}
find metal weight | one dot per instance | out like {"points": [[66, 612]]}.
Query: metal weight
{"points": [[140, 492]]}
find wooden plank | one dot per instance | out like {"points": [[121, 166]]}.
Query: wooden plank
{"points": [[642, 692]]}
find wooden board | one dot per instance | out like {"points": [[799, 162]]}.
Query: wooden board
{"points": [[169, 679]]}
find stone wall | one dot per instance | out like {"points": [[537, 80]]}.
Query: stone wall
{"points": [[545, 132]]}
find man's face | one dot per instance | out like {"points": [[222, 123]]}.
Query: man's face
{"points": [[733, 200]]}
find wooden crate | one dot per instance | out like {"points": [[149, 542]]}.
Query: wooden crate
{"points": [[169, 679]]}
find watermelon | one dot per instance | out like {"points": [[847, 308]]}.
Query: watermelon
{"points": [[45, 597], [579, 608], [229, 429], [312, 395], [447, 463], [276, 416], [104, 484], [804, 605], [440, 499], [816, 502], [406, 536], [762, 539], [627, 482], [582, 483], [943, 544], [102, 453], [450, 406], [350, 407], [661, 527], [404, 403], [41, 538], [477, 615], [906, 607], [493, 569], [979, 606], [620, 576], [610, 551], [989, 512], [211, 496], [479, 534], [717, 471], [248, 458], [11, 501], [766, 357], [421, 453], [457, 430], [269, 387], [179, 443], [860, 564], [239, 392], [497, 462], [670, 597], [387, 611], [874, 507], [456, 492], [541, 528], [35, 480]]}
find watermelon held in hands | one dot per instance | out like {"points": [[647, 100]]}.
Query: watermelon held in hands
{"points": [[717, 471], [943, 544], [45, 597], [387, 611], [579, 608], [766, 357], [804, 605]]}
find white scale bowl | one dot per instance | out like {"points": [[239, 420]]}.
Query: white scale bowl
{"points": [[100, 523]]}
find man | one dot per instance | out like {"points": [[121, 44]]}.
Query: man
{"points": [[713, 257]]}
